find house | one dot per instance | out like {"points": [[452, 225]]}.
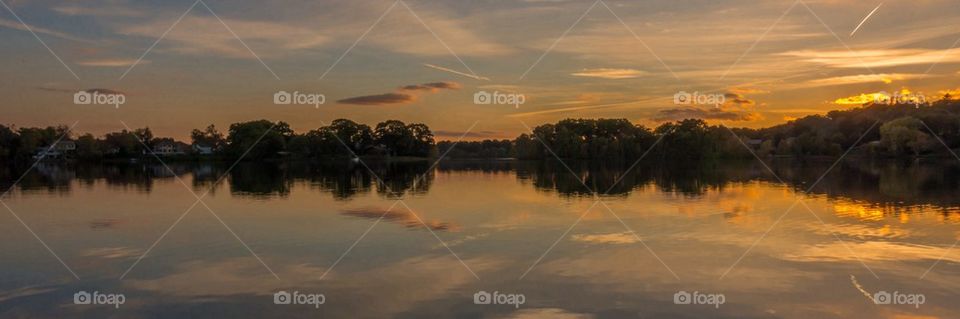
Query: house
{"points": [[65, 146], [56, 150], [167, 146], [754, 143], [46, 152]]}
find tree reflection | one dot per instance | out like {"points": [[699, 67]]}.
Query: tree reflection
{"points": [[893, 183]]}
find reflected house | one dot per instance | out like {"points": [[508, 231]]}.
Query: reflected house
{"points": [[57, 150], [201, 149]]}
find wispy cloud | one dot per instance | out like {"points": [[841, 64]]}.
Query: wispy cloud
{"points": [[380, 99], [877, 58], [605, 73], [207, 36], [863, 78], [575, 108], [111, 62], [112, 11], [475, 77], [402, 96], [615, 238], [432, 87], [19, 26], [55, 87]]}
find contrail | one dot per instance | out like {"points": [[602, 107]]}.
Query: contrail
{"points": [[857, 285], [476, 77], [865, 19]]}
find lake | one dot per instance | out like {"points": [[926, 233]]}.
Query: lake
{"points": [[482, 239]]}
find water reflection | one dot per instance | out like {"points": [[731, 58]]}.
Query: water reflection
{"points": [[498, 217], [864, 189]]}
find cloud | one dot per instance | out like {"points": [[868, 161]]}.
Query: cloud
{"points": [[677, 114], [113, 252], [614, 238], [22, 27], [555, 313], [399, 216], [738, 100], [417, 34], [400, 97], [55, 87], [861, 99], [575, 108], [111, 62], [206, 35], [72, 10], [104, 91], [432, 87], [380, 99], [903, 96], [472, 76], [877, 58], [605, 73], [745, 90], [863, 78]]}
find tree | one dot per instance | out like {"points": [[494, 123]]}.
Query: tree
{"points": [[258, 139], [88, 147], [122, 144], [32, 138], [904, 135], [355, 136], [394, 135], [8, 142], [208, 137], [421, 139]]}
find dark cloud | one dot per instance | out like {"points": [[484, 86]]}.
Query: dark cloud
{"points": [[738, 100], [55, 89], [433, 86], [380, 99], [399, 97], [104, 91], [400, 216], [471, 134], [706, 114]]}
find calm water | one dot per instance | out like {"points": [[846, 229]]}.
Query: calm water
{"points": [[428, 245]]}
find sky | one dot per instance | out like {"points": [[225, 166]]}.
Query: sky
{"points": [[186, 64]]}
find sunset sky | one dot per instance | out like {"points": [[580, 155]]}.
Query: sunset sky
{"points": [[422, 61]]}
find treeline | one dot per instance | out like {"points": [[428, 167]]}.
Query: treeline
{"points": [[261, 139], [886, 131], [876, 130]]}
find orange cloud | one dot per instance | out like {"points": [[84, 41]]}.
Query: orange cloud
{"points": [[606, 73]]}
